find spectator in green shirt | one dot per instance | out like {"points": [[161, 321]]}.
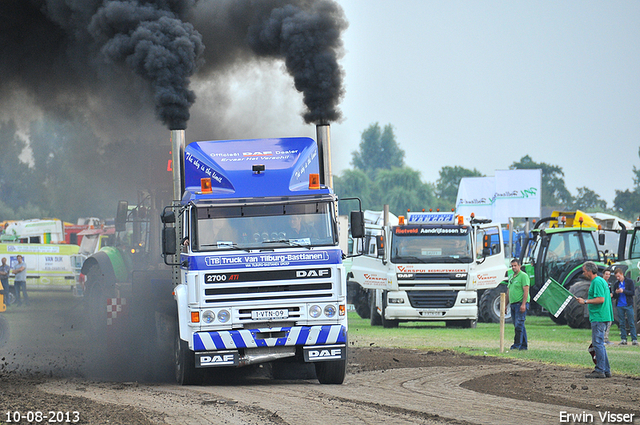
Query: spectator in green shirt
{"points": [[518, 301], [600, 312]]}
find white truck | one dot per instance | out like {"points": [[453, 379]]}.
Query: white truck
{"points": [[252, 270], [427, 268]]}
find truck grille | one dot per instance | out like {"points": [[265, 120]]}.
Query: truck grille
{"points": [[271, 292], [432, 299], [267, 286]]}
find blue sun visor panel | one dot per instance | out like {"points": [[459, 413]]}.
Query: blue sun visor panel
{"points": [[287, 165]]}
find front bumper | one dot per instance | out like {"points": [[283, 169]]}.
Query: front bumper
{"points": [[247, 346]]}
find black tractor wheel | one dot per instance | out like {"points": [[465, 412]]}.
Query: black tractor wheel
{"points": [[97, 291], [489, 305], [577, 315], [359, 297], [331, 372]]}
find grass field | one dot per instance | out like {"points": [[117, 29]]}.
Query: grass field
{"points": [[548, 342]]}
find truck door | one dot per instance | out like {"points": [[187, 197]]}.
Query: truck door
{"points": [[368, 269], [490, 267]]}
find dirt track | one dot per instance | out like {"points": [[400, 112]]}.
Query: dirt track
{"points": [[382, 385]]}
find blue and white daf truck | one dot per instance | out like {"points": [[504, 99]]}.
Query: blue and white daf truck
{"points": [[253, 244], [430, 267]]}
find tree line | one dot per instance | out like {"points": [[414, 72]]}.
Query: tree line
{"points": [[72, 173], [380, 176]]}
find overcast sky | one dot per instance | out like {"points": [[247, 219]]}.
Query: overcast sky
{"points": [[480, 84]]}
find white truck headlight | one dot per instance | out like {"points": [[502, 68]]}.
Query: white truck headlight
{"points": [[224, 316], [330, 310], [315, 311], [208, 316]]}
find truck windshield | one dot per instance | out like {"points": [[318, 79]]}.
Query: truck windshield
{"points": [[431, 244], [265, 226]]}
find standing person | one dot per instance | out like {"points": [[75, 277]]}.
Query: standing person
{"points": [[600, 312], [606, 275], [20, 280], [623, 292], [518, 301], [4, 280]]}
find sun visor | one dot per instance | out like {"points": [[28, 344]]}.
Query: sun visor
{"points": [[251, 168]]}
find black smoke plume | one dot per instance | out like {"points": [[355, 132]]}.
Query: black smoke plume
{"points": [[72, 55]]}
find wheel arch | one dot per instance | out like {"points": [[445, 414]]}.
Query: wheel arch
{"points": [[103, 261]]}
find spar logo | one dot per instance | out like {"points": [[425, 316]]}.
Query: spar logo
{"points": [[368, 276]]}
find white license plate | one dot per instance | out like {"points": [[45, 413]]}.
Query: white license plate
{"points": [[431, 313], [269, 314]]}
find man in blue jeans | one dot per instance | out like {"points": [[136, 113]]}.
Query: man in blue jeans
{"points": [[20, 280], [518, 301], [623, 292], [600, 312]]}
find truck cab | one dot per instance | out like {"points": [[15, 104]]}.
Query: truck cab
{"points": [[428, 268], [259, 274]]}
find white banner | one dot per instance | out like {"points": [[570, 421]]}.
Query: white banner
{"points": [[511, 193]]}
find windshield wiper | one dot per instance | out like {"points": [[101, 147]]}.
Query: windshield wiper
{"points": [[409, 258], [225, 246], [288, 242]]}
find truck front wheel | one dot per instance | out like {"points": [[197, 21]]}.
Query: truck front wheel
{"points": [[332, 372], [374, 316], [387, 323], [185, 366]]}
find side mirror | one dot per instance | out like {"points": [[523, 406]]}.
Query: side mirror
{"points": [[486, 245], [169, 241], [121, 216], [357, 224], [380, 245], [168, 216]]}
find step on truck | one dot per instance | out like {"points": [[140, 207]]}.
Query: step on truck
{"points": [[252, 268], [427, 268]]}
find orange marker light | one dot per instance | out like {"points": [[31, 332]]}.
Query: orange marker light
{"points": [[342, 310], [195, 317], [401, 220], [314, 181], [205, 185], [460, 220]]}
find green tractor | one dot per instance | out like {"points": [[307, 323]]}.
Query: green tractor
{"points": [[631, 267], [559, 253], [557, 248]]}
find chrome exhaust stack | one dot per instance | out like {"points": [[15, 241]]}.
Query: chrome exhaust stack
{"points": [[323, 132], [177, 163]]}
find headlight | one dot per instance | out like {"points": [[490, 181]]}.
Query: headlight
{"points": [[468, 300], [224, 316], [208, 316], [330, 310], [396, 301], [315, 311]]}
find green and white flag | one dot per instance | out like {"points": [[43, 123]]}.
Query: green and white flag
{"points": [[553, 297]]}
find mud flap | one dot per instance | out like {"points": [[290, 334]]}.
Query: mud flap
{"points": [[321, 353], [217, 358]]}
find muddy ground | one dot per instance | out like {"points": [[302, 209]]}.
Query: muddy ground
{"points": [[49, 371]]}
